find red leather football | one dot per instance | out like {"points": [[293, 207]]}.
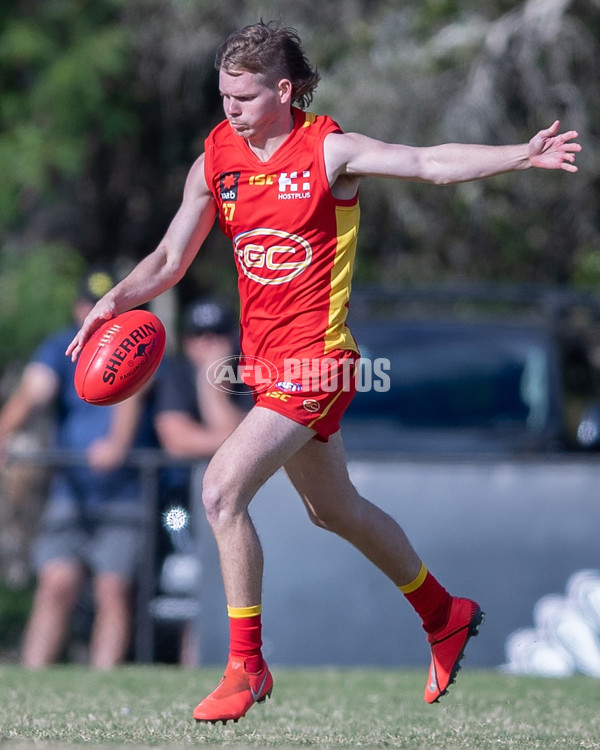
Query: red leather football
{"points": [[119, 357]]}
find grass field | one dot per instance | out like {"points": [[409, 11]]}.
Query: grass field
{"points": [[150, 707]]}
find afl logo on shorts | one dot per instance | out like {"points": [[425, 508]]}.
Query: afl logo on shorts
{"points": [[270, 256], [310, 404]]}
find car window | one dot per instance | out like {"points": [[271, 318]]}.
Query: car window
{"points": [[477, 366], [455, 379]]}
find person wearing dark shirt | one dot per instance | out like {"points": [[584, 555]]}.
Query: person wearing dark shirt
{"points": [[193, 417], [92, 523]]}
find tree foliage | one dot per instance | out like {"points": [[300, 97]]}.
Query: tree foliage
{"points": [[105, 105], [481, 72]]}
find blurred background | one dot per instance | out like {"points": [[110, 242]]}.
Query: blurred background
{"points": [[104, 105]]}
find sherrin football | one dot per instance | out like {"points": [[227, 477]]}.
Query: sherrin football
{"points": [[119, 357]]}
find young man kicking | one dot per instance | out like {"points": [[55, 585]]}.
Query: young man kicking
{"points": [[284, 185]]}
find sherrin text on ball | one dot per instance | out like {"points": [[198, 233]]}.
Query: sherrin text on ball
{"points": [[119, 357]]}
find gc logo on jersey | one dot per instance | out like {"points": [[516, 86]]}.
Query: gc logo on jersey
{"points": [[270, 256], [228, 186]]}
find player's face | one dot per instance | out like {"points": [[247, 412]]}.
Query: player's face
{"points": [[254, 109]]}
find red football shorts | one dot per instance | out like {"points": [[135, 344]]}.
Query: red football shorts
{"points": [[314, 392]]}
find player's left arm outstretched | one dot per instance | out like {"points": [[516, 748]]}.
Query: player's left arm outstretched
{"points": [[349, 155], [550, 150]]}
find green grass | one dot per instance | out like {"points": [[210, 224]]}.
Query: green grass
{"points": [[149, 707]]}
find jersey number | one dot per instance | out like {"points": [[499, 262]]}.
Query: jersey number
{"points": [[228, 211]]}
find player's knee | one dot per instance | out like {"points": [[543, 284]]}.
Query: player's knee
{"points": [[219, 498], [326, 518], [338, 515]]}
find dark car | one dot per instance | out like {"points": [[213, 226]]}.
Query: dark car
{"points": [[483, 369], [465, 430]]}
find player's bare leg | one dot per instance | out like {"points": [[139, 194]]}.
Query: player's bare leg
{"points": [[112, 621], [319, 473], [59, 583], [259, 446]]}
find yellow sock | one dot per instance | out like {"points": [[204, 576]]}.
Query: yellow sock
{"points": [[417, 582], [429, 599], [238, 612]]}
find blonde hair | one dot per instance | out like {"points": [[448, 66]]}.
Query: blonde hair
{"points": [[274, 51]]}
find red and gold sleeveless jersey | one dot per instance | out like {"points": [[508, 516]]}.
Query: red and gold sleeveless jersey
{"points": [[294, 243]]}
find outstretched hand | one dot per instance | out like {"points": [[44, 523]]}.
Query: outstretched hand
{"points": [[547, 150]]}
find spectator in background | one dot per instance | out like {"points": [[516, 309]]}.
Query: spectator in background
{"points": [[193, 417], [92, 523]]}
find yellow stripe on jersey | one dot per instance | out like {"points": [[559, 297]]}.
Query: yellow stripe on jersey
{"points": [[238, 612], [309, 118], [330, 404], [337, 335]]}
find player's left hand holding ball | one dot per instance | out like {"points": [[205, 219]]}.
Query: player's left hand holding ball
{"points": [[119, 357], [102, 311]]}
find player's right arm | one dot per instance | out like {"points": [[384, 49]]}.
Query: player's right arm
{"points": [[165, 266]]}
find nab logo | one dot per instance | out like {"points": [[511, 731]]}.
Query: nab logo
{"points": [[228, 186], [270, 256]]}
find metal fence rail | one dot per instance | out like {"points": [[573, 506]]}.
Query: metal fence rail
{"points": [[148, 463]]}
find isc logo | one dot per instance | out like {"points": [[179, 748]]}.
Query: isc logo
{"points": [[262, 179], [277, 395], [269, 256]]}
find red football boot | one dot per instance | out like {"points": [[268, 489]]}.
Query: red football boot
{"points": [[237, 691], [448, 646]]}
